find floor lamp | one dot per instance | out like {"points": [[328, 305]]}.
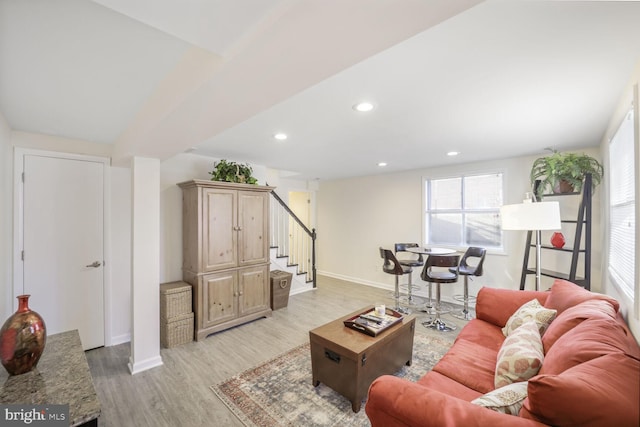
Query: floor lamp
{"points": [[532, 217]]}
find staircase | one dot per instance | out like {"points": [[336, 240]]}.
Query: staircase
{"points": [[292, 246]]}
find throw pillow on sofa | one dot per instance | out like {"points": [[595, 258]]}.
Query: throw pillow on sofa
{"points": [[520, 356], [530, 311], [506, 400]]}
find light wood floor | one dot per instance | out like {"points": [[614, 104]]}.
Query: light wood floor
{"points": [[178, 393]]}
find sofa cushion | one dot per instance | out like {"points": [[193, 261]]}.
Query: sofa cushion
{"points": [[469, 364], [495, 305], [506, 400], [564, 295], [591, 339], [520, 357], [531, 310], [602, 392], [482, 333], [573, 316]]}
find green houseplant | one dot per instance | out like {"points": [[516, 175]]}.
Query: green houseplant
{"points": [[232, 172], [564, 172]]}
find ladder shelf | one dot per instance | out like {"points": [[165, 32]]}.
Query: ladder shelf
{"points": [[582, 226]]}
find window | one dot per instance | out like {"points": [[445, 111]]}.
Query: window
{"points": [[464, 211], [622, 218]]}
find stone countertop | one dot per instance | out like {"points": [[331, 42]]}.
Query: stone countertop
{"points": [[61, 377]]}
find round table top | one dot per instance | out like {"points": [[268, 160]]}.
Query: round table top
{"points": [[431, 251]]}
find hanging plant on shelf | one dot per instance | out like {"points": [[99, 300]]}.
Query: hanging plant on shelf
{"points": [[564, 172], [232, 172]]}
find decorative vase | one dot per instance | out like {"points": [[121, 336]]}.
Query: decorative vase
{"points": [[557, 240], [22, 339]]}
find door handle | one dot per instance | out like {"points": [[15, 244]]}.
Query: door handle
{"points": [[95, 264]]}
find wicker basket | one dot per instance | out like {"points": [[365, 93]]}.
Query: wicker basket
{"points": [[177, 330], [280, 288], [175, 300]]}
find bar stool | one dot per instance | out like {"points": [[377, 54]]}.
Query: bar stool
{"points": [[413, 260], [437, 269], [465, 269], [392, 266]]}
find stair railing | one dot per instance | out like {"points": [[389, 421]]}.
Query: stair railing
{"points": [[293, 239]]}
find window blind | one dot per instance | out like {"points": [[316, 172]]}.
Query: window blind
{"points": [[622, 221]]}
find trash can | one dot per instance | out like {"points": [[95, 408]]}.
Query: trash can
{"points": [[280, 287]]}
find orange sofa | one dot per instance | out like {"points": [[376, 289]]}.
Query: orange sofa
{"points": [[589, 375]]}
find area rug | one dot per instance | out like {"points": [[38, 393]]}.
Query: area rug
{"points": [[279, 392]]}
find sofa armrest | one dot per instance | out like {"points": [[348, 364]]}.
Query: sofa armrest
{"points": [[497, 305], [396, 402]]}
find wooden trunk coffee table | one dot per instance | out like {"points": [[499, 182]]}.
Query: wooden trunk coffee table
{"points": [[348, 361]]}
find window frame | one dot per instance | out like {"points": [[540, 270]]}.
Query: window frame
{"points": [[426, 211]]}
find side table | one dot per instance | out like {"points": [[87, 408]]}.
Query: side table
{"points": [[348, 361]]}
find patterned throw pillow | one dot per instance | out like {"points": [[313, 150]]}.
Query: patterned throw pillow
{"points": [[530, 311], [520, 356], [506, 400]]}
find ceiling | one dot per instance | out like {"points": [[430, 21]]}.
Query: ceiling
{"points": [[490, 79]]}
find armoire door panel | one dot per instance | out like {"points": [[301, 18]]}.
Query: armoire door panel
{"points": [[253, 212], [254, 289], [219, 298], [219, 229]]}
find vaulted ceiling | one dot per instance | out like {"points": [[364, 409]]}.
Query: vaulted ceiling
{"points": [[490, 79]]}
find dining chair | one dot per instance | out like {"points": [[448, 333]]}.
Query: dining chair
{"points": [[466, 268], [438, 269], [391, 265], [409, 259]]}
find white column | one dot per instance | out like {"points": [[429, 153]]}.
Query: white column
{"points": [[145, 265]]}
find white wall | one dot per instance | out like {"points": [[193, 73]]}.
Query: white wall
{"points": [[630, 309], [357, 216], [6, 220], [56, 143]]}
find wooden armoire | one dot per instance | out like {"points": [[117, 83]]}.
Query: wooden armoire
{"points": [[225, 229]]}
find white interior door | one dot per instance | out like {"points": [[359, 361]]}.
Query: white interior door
{"points": [[63, 243]]}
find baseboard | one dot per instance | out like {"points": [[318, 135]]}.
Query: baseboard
{"points": [[355, 280], [420, 293], [301, 290], [120, 339], [136, 368]]}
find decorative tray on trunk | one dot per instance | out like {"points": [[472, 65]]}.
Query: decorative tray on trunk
{"points": [[368, 322]]}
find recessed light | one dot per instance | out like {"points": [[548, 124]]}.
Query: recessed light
{"points": [[363, 107], [453, 153], [280, 136], [382, 164]]}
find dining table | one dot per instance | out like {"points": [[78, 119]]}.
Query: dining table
{"points": [[431, 250]]}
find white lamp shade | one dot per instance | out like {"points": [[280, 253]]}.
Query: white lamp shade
{"points": [[531, 216]]}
